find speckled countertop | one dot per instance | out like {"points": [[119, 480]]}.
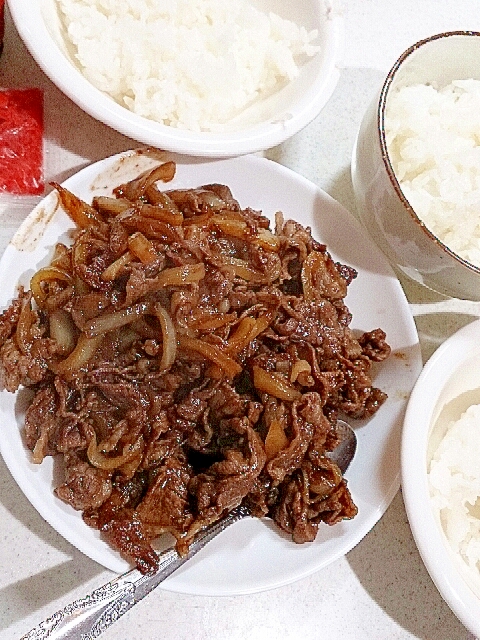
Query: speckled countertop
{"points": [[381, 589]]}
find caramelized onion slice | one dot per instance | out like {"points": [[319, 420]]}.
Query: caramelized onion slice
{"points": [[308, 267], [136, 188], [276, 439], [111, 206], [205, 321], [23, 334], [275, 384], [82, 214], [62, 257], [142, 248], [239, 229], [84, 351], [80, 250], [178, 276], [108, 463], [110, 321], [115, 268], [318, 280], [169, 336], [199, 220], [299, 366], [62, 330], [157, 212], [243, 270], [158, 197], [44, 275], [38, 453], [247, 330], [213, 353]]}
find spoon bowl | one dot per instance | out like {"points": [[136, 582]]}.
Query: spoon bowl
{"points": [[347, 445]]}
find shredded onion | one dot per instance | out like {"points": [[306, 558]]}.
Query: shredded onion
{"points": [[276, 440], [328, 481], [213, 353], [136, 188], [209, 321], [62, 330], [23, 334], [200, 220], [178, 276], [142, 248], [44, 275], [38, 453], [80, 250], [110, 321], [161, 198], [61, 257], [299, 366], [308, 268], [316, 278], [80, 356], [115, 268], [239, 229], [159, 213], [242, 270], [247, 330], [111, 206], [107, 463], [275, 384], [169, 336], [83, 214]]}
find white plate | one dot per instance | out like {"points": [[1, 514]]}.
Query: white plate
{"points": [[252, 555]]}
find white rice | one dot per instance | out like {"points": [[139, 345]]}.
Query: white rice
{"points": [[191, 64], [433, 140], [454, 480]]}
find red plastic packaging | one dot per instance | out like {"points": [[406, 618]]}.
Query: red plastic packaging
{"points": [[21, 141]]}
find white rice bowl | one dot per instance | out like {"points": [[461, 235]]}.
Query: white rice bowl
{"points": [[454, 481], [433, 142], [191, 64], [264, 123]]}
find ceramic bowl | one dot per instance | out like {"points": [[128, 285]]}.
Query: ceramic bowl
{"points": [[383, 208], [274, 119], [447, 386]]}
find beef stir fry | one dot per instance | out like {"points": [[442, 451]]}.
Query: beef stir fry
{"points": [[183, 358]]}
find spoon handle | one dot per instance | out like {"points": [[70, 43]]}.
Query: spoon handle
{"points": [[89, 617]]}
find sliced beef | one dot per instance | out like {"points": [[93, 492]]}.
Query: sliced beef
{"points": [[155, 437], [166, 506], [225, 484], [85, 486]]}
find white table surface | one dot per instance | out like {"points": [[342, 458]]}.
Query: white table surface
{"points": [[381, 589]]}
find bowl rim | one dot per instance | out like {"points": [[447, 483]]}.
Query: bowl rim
{"points": [[28, 19], [384, 93], [429, 538]]}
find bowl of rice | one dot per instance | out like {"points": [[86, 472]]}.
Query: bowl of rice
{"points": [[440, 469], [416, 164], [199, 77]]}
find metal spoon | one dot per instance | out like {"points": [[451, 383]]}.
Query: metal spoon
{"points": [[88, 617]]}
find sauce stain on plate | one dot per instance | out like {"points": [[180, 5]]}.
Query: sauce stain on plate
{"points": [[128, 166], [31, 231]]}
